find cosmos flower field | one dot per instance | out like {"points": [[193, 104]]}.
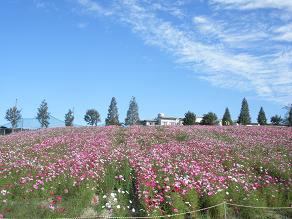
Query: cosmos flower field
{"points": [[146, 171]]}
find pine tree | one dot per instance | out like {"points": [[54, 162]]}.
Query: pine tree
{"points": [[13, 115], [226, 120], [43, 115], [289, 119], [112, 116], [132, 113], [92, 117], [262, 120], [244, 117], [69, 118], [190, 118]]}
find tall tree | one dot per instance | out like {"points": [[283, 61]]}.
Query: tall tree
{"points": [[113, 115], [13, 115], [92, 117], [190, 118], [132, 113], [226, 120], [244, 117], [43, 116], [262, 119], [289, 117], [69, 118], [209, 119], [276, 120]]}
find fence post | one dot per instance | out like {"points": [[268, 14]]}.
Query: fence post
{"points": [[225, 210]]}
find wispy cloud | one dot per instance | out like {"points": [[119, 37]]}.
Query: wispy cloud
{"points": [[45, 4], [284, 33], [256, 4], [94, 7], [222, 60]]}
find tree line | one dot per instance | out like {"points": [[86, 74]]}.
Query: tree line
{"points": [[92, 116], [243, 118]]}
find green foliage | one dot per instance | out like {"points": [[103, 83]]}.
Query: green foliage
{"points": [[262, 120], [289, 118], [192, 199], [252, 199], [209, 119], [226, 120], [92, 117], [276, 120], [132, 113], [244, 117], [207, 201], [13, 115], [69, 118], [181, 136], [179, 204], [43, 115], [190, 118], [112, 116]]}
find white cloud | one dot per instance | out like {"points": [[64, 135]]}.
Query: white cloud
{"points": [[255, 4], [93, 6], [268, 74], [45, 4], [284, 33]]}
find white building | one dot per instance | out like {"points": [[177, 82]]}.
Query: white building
{"points": [[166, 120], [163, 120], [199, 119]]}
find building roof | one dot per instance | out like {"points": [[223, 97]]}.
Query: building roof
{"points": [[148, 120], [168, 118]]}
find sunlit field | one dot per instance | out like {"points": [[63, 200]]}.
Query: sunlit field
{"points": [[146, 171]]}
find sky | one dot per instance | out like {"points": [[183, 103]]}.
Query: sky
{"points": [[172, 55]]}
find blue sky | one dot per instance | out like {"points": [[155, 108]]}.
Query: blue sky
{"points": [[173, 56]]}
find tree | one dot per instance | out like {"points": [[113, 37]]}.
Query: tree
{"points": [[276, 120], [289, 118], [69, 118], [226, 120], [262, 119], [43, 115], [190, 118], [288, 115], [112, 116], [244, 117], [92, 117], [132, 113], [13, 115], [209, 119]]}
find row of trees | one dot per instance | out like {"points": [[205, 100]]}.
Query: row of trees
{"points": [[243, 118], [13, 115], [92, 116]]}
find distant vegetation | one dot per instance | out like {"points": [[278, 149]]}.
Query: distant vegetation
{"points": [[92, 116]]}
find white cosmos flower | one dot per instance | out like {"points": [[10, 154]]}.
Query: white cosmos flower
{"points": [[113, 195], [4, 192]]}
